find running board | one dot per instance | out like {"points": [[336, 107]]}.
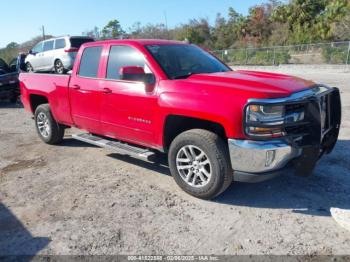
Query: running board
{"points": [[115, 146]]}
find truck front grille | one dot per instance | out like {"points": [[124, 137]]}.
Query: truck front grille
{"points": [[322, 115]]}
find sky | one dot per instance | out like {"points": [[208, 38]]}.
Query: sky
{"points": [[22, 20]]}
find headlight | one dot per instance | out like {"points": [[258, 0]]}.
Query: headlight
{"points": [[265, 120], [265, 114]]}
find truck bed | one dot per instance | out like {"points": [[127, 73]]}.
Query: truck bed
{"points": [[54, 87]]}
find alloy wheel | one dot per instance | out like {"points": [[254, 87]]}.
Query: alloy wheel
{"points": [[193, 166], [43, 125]]}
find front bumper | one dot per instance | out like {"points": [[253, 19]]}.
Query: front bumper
{"points": [[299, 151], [259, 160]]}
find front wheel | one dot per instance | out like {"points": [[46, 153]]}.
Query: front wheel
{"points": [[199, 162], [48, 129]]}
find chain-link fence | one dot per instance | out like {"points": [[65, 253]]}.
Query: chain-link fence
{"points": [[323, 53]]}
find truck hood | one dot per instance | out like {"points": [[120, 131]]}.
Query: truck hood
{"points": [[266, 84]]}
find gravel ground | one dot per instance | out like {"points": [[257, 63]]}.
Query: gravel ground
{"points": [[80, 199]]}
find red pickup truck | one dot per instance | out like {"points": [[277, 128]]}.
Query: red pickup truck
{"points": [[216, 124]]}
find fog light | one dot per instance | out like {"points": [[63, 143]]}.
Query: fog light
{"points": [[270, 157]]}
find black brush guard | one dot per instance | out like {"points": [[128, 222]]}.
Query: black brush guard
{"points": [[323, 116]]}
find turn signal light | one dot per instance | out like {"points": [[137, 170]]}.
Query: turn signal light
{"points": [[266, 131]]}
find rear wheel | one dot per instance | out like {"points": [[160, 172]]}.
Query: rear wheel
{"points": [[29, 67], [59, 67], [48, 129], [199, 162]]}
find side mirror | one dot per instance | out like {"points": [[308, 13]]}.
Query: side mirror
{"points": [[132, 73], [137, 73]]}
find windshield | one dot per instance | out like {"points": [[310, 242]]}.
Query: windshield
{"points": [[3, 65], [181, 61]]}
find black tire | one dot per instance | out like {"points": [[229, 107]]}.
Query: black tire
{"points": [[216, 151], [29, 67], [55, 131], [59, 67]]}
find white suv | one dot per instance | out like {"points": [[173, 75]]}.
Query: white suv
{"points": [[55, 54]]}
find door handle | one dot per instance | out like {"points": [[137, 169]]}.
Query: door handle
{"points": [[106, 90], [76, 87]]}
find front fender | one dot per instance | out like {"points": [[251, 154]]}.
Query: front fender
{"points": [[206, 107]]}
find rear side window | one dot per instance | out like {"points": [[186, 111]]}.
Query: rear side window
{"points": [[90, 61], [120, 56], [60, 43], [48, 45], [77, 42]]}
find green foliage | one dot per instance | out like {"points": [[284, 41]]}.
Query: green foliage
{"points": [[7, 54], [112, 30], [257, 57], [282, 57], [310, 20], [335, 55], [237, 57], [196, 31]]}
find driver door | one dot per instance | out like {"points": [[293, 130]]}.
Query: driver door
{"points": [[35, 56], [128, 109]]}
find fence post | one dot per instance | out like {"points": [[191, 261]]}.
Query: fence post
{"points": [[274, 56], [347, 57], [246, 56]]}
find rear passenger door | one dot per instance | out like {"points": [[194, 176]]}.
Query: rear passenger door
{"points": [[85, 91], [48, 55]]}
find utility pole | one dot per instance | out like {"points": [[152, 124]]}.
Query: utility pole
{"points": [[43, 31], [166, 24]]}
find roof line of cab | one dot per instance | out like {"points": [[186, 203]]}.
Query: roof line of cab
{"points": [[137, 41]]}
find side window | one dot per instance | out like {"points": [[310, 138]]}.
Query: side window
{"points": [[38, 48], [120, 56], [48, 45], [60, 43], [90, 61]]}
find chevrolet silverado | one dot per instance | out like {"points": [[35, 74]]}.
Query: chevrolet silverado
{"points": [[217, 125]]}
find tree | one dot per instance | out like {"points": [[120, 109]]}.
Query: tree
{"points": [[341, 29], [95, 33], [258, 24], [12, 45], [311, 20], [222, 35], [112, 30], [196, 31]]}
